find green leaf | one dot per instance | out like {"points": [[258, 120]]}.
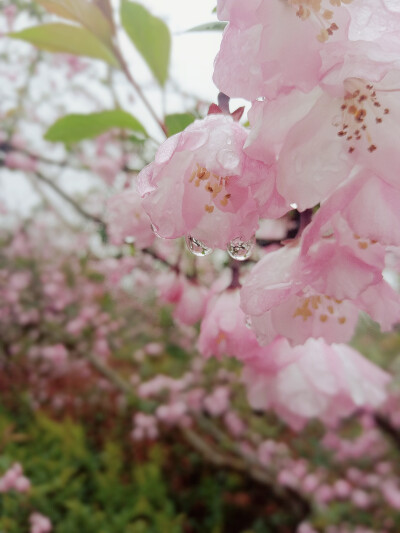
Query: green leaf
{"points": [[150, 35], [76, 127], [68, 39], [178, 122], [210, 26], [83, 12]]}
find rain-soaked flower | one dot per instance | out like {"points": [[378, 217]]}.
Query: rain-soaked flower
{"points": [[202, 185]]}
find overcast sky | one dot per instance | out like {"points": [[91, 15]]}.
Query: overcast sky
{"points": [[191, 68]]}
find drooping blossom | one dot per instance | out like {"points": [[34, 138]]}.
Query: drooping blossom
{"points": [[203, 185], [127, 219], [317, 287], [321, 140], [314, 380]]}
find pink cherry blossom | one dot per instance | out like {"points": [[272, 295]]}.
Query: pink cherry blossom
{"points": [[257, 58], [370, 207], [192, 303], [20, 161], [126, 218], [317, 287], [106, 167], [223, 328], [188, 297], [318, 139], [218, 401], [13, 479], [40, 523], [202, 184], [313, 380], [372, 47]]}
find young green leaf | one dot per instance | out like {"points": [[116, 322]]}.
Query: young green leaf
{"points": [[150, 35], [76, 127], [85, 13], [210, 26], [68, 39], [178, 122]]}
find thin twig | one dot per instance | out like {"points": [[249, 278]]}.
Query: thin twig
{"points": [[68, 199], [110, 374], [141, 93]]}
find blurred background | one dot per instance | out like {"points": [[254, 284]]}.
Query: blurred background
{"points": [[110, 420]]}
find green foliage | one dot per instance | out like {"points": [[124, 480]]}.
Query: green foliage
{"points": [[83, 12], [178, 122], [80, 489], [76, 127], [210, 26], [151, 37], [65, 38], [88, 486]]}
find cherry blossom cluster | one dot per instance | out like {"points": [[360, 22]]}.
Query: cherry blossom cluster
{"points": [[14, 480], [323, 79]]}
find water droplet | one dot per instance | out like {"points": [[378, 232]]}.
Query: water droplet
{"points": [[129, 239], [228, 159], [197, 247], [293, 206], [261, 99], [156, 231], [239, 249], [248, 322]]}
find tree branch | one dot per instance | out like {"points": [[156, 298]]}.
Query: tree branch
{"points": [[68, 199]]}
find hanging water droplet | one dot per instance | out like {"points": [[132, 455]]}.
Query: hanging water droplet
{"points": [[155, 230], [197, 247], [293, 206], [239, 249]]}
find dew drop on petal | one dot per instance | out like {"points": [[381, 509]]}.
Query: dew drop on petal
{"points": [[239, 249], [197, 247], [248, 322], [228, 159], [156, 231]]}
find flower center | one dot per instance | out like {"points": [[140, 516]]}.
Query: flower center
{"points": [[321, 11], [363, 243], [360, 109], [214, 184], [326, 307]]}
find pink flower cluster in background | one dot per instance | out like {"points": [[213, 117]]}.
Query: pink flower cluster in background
{"points": [[14, 479]]}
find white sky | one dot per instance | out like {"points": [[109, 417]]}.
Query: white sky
{"points": [[191, 68]]}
